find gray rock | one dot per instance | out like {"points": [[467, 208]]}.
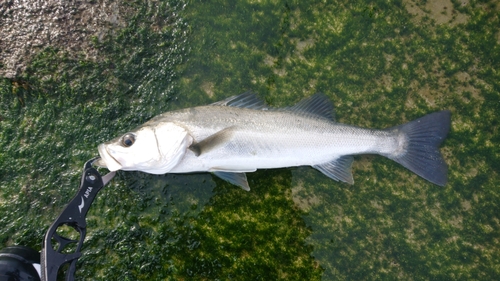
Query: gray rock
{"points": [[27, 27]]}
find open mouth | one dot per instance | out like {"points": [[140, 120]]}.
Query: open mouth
{"points": [[107, 160]]}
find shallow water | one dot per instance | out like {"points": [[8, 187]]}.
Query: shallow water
{"points": [[381, 63]]}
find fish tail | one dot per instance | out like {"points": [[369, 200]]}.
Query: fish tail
{"points": [[419, 150]]}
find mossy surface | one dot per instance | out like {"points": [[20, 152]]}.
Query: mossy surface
{"points": [[382, 63]]}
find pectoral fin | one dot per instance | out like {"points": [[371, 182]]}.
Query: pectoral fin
{"points": [[338, 169], [239, 179], [213, 141]]}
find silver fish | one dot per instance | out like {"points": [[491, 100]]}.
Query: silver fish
{"points": [[241, 134]]}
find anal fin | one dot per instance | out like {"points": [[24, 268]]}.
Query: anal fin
{"points": [[239, 179], [339, 169]]}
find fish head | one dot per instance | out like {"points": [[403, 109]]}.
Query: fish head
{"points": [[154, 149]]}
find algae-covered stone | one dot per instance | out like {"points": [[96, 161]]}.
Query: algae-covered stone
{"points": [[382, 63]]}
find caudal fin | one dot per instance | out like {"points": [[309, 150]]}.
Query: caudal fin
{"points": [[422, 139]]}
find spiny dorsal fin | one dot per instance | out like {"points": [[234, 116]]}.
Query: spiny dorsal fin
{"points": [[245, 100], [315, 105]]}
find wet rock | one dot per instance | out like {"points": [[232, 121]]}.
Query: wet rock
{"points": [[27, 27]]}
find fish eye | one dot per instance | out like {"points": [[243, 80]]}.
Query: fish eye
{"points": [[128, 140]]}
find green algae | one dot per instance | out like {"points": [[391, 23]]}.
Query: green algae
{"points": [[381, 67], [381, 62]]}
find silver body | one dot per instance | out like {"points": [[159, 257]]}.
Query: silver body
{"points": [[241, 134], [263, 139]]}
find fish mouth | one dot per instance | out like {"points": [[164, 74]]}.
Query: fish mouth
{"points": [[107, 160]]}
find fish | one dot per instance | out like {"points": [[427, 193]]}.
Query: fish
{"points": [[241, 134]]}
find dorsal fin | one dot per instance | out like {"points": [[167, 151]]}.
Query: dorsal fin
{"points": [[245, 100], [316, 105]]}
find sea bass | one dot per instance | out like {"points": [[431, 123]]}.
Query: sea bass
{"points": [[242, 134]]}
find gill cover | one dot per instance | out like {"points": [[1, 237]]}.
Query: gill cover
{"points": [[151, 149]]}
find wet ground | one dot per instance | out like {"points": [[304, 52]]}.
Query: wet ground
{"points": [[110, 66], [28, 27]]}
